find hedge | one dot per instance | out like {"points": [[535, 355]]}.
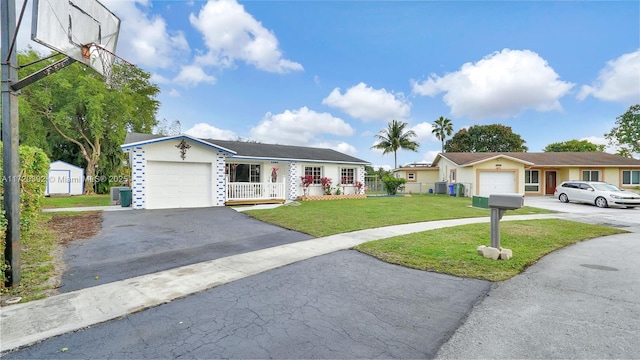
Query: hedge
{"points": [[34, 170]]}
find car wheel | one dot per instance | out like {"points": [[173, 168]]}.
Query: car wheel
{"points": [[601, 202], [563, 198]]}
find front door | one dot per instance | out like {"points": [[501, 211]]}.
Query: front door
{"points": [[550, 182]]}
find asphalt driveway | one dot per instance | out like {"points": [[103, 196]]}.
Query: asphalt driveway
{"points": [[133, 243]]}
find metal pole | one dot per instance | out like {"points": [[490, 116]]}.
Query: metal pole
{"points": [[10, 140], [496, 215]]}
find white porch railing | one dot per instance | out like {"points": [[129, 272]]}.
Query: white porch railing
{"points": [[254, 191]]}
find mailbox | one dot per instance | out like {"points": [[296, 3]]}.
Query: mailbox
{"points": [[506, 201]]}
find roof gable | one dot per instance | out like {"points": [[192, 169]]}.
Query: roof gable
{"points": [[252, 150], [152, 139]]}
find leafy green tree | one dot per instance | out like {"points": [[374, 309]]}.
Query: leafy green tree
{"points": [[89, 118], [486, 138], [626, 133], [574, 146], [395, 137], [443, 128]]}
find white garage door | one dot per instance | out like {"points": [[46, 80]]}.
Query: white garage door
{"points": [[178, 185], [496, 182]]}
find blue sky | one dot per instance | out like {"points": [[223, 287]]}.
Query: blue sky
{"points": [[334, 73]]}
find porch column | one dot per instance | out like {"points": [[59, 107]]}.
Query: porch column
{"points": [[292, 183], [360, 177], [220, 182], [138, 177]]}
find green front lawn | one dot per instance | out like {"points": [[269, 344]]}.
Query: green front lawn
{"points": [[453, 250], [323, 218], [75, 201]]}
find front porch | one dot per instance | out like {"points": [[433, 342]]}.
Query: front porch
{"points": [[244, 193]]}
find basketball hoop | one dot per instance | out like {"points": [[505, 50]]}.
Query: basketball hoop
{"points": [[101, 59]]}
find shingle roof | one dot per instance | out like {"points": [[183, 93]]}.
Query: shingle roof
{"points": [[267, 151], [557, 159]]}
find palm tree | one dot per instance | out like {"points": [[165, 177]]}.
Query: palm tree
{"points": [[443, 128], [395, 137]]}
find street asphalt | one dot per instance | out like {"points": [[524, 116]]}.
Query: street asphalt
{"points": [[313, 299]]}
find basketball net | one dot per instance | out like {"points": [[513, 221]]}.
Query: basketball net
{"points": [[102, 60]]}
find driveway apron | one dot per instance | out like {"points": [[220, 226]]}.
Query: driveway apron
{"points": [[133, 243]]}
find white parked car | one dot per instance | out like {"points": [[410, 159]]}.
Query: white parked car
{"points": [[597, 193]]}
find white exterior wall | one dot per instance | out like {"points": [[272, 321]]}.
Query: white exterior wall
{"points": [[65, 178], [166, 151], [332, 171]]}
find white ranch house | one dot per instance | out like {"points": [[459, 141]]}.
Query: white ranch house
{"points": [[183, 171]]}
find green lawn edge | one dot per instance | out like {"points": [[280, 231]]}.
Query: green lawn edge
{"points": [[453, 250]]}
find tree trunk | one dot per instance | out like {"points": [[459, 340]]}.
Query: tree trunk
{"points": [[90, 176]]}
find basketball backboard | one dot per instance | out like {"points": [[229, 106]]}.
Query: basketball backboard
{"points": [[80, 29]]}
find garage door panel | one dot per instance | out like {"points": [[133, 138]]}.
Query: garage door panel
{"points": [[496, 182], [178, 185]]}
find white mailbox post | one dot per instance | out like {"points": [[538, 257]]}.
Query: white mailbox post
{"points": [[499, 203]]}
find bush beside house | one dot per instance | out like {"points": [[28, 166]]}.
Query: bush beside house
{"points": [[34, 168]]}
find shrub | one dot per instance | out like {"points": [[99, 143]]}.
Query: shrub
{"points": [[392, 184], [34, 169]]}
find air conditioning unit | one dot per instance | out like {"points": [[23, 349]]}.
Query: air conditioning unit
{"points": [[441, 188]]}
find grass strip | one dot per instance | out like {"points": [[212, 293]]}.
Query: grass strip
{"points": [[324, 218], [453, 250], [75, 201]]}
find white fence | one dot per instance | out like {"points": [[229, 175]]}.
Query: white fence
{"points": [[254, 191]]}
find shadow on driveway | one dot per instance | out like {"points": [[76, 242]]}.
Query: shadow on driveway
{"points": [[133, 243]]}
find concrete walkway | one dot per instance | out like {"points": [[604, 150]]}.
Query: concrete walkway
{"points": [[24, 324]]}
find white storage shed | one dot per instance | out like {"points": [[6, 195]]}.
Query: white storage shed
{"points": [[65, 179]]}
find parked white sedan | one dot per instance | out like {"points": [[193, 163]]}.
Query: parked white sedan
{"points": [[597, 193]]}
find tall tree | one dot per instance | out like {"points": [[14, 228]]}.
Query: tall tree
{"points": [[626, 133], [574, 146], [443, 128], [91, 116], [395, 137], [486, 138]]}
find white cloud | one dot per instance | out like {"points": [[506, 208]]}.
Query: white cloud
{"points": [[206, 131], [230, 33], [618, 81], [299, 127], [159, 79], [192, 75], [342, 147], [144, 38], [502, 84], [366, 103], [602, 141], [429, 156], [174, 93], [423, 132]]}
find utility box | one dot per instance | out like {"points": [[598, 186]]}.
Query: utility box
{"points": [[506, 201], [480, 202]]}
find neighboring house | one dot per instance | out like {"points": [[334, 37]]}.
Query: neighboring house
{"points": [[183, 171], [420, 178], [64, 179], [534, 173]]}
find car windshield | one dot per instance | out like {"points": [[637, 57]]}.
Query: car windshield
{"points": [[605, 187]]}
